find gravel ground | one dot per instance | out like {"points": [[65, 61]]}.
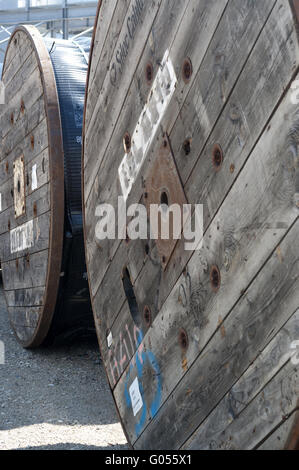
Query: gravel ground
{"points": [[55, 398]]}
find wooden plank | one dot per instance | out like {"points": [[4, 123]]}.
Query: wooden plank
{"points": [[32, 215], [11, 243], [16, 55], [234, 46], [22, 275], [18, 94], [207, 13], [266, 412], [280, 436], [31, 148], [262, 311], [24, 128], [201, 337], [248, 228], [24, 333], [38, 203], [210, 187], [25, 297], [110, 22], [24, 317], [251, 383], [38, 170], [204, 17], [113, 93], [152, 277]]}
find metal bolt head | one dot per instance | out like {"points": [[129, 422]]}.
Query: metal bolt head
{"points": [[217, 156], [187, 70]]}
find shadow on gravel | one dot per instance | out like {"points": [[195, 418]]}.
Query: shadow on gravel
{"points": [[61, 385]]}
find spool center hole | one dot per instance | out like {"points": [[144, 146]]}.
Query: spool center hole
{"points": [[164, 201]]}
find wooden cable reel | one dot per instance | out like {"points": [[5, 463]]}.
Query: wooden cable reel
{"points": [[196, 107], [41, 239]]}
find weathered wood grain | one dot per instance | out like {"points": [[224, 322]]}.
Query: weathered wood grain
{"points": [[152, 275], [24, 275], [24, 317], [260, 373], [110, 21], [25, 240], [280, 436], [201, 345], [24, 128], [112, 95], [270, 409], [38, 203], [16, 55], [106, 186], [41, 228], [254, 321], [25, 297], [239, 261]]}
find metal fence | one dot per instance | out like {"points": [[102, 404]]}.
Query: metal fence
{"points": [[54, 18]]}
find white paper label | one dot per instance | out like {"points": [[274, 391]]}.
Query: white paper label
{"points": [[21, 238], [34, 178], [109, 340], [136, 398], [149, 121]]}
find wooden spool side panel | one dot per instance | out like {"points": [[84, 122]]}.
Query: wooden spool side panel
{"points": [[25, 161], [108, 186], [250, 225], [151, 274]]}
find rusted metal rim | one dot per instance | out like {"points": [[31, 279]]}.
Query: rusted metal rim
{"points": [[56, 183], [295, 7], [293, 439]]}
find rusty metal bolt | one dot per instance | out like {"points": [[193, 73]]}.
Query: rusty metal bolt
{"points": [[147, 316], [217, 156], [215, 278], [32, 141], [35, 209], [22, 107], [28, 259], [6, 167], [187, 147], [149, 73], [127, 142], [187, 70], [183, 339], [12, 119]]}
